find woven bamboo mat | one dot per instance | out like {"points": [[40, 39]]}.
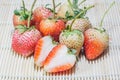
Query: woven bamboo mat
{"points": [[16, 67]]}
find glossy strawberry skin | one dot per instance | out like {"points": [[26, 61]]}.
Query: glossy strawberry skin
{"points": [[24, 44], [51, 27], [41, 13], [95, 43]]}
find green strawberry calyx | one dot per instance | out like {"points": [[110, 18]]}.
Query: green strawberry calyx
{"points": [[76, 10], [77, 16], [23, 12], [22, 28], [53, 42], [72, 51], [68, 33], [100, 29]]}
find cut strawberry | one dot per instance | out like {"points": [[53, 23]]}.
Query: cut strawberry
{"points": [[43, 47], [59, 59]]}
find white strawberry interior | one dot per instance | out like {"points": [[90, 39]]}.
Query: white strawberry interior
{"points": [[61, 58], [46, 48]]}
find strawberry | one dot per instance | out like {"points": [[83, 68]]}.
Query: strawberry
{"points": [[20, 17], [80, 24], [96, 40], [72, 39], [24, 43], [59, 59], [25, 38], [52, 27], [63, 9], [39, 14], [43, 48], [17, 21]]}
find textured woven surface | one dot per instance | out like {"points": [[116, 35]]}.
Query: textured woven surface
{"points": [[16, 67]]}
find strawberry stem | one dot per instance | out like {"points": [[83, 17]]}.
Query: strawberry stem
{"points": [[53, 8], [70, 3], [101, 22], [57, 5], [23, 6], [81, 2], [30, 14], [80, 14]]}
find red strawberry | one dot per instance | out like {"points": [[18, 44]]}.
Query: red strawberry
{"points": [[59, 59], [43, 47], [41, 13], [52, 27], [96, 41], [24, 43]]}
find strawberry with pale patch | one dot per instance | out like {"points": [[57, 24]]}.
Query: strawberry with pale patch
{"points": [[60, 59], [52, 26], [72, 39], [42, 50], [80, 24], [96, 40], [25, 38]]}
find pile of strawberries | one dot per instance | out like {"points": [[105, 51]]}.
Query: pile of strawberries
{"points": [[56, 38]]}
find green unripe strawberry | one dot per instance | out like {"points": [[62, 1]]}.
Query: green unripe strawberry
{"points": [[72, 39]]}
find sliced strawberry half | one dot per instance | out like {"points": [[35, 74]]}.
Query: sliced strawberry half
{"points": [[43, 47], [59, 59]]}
